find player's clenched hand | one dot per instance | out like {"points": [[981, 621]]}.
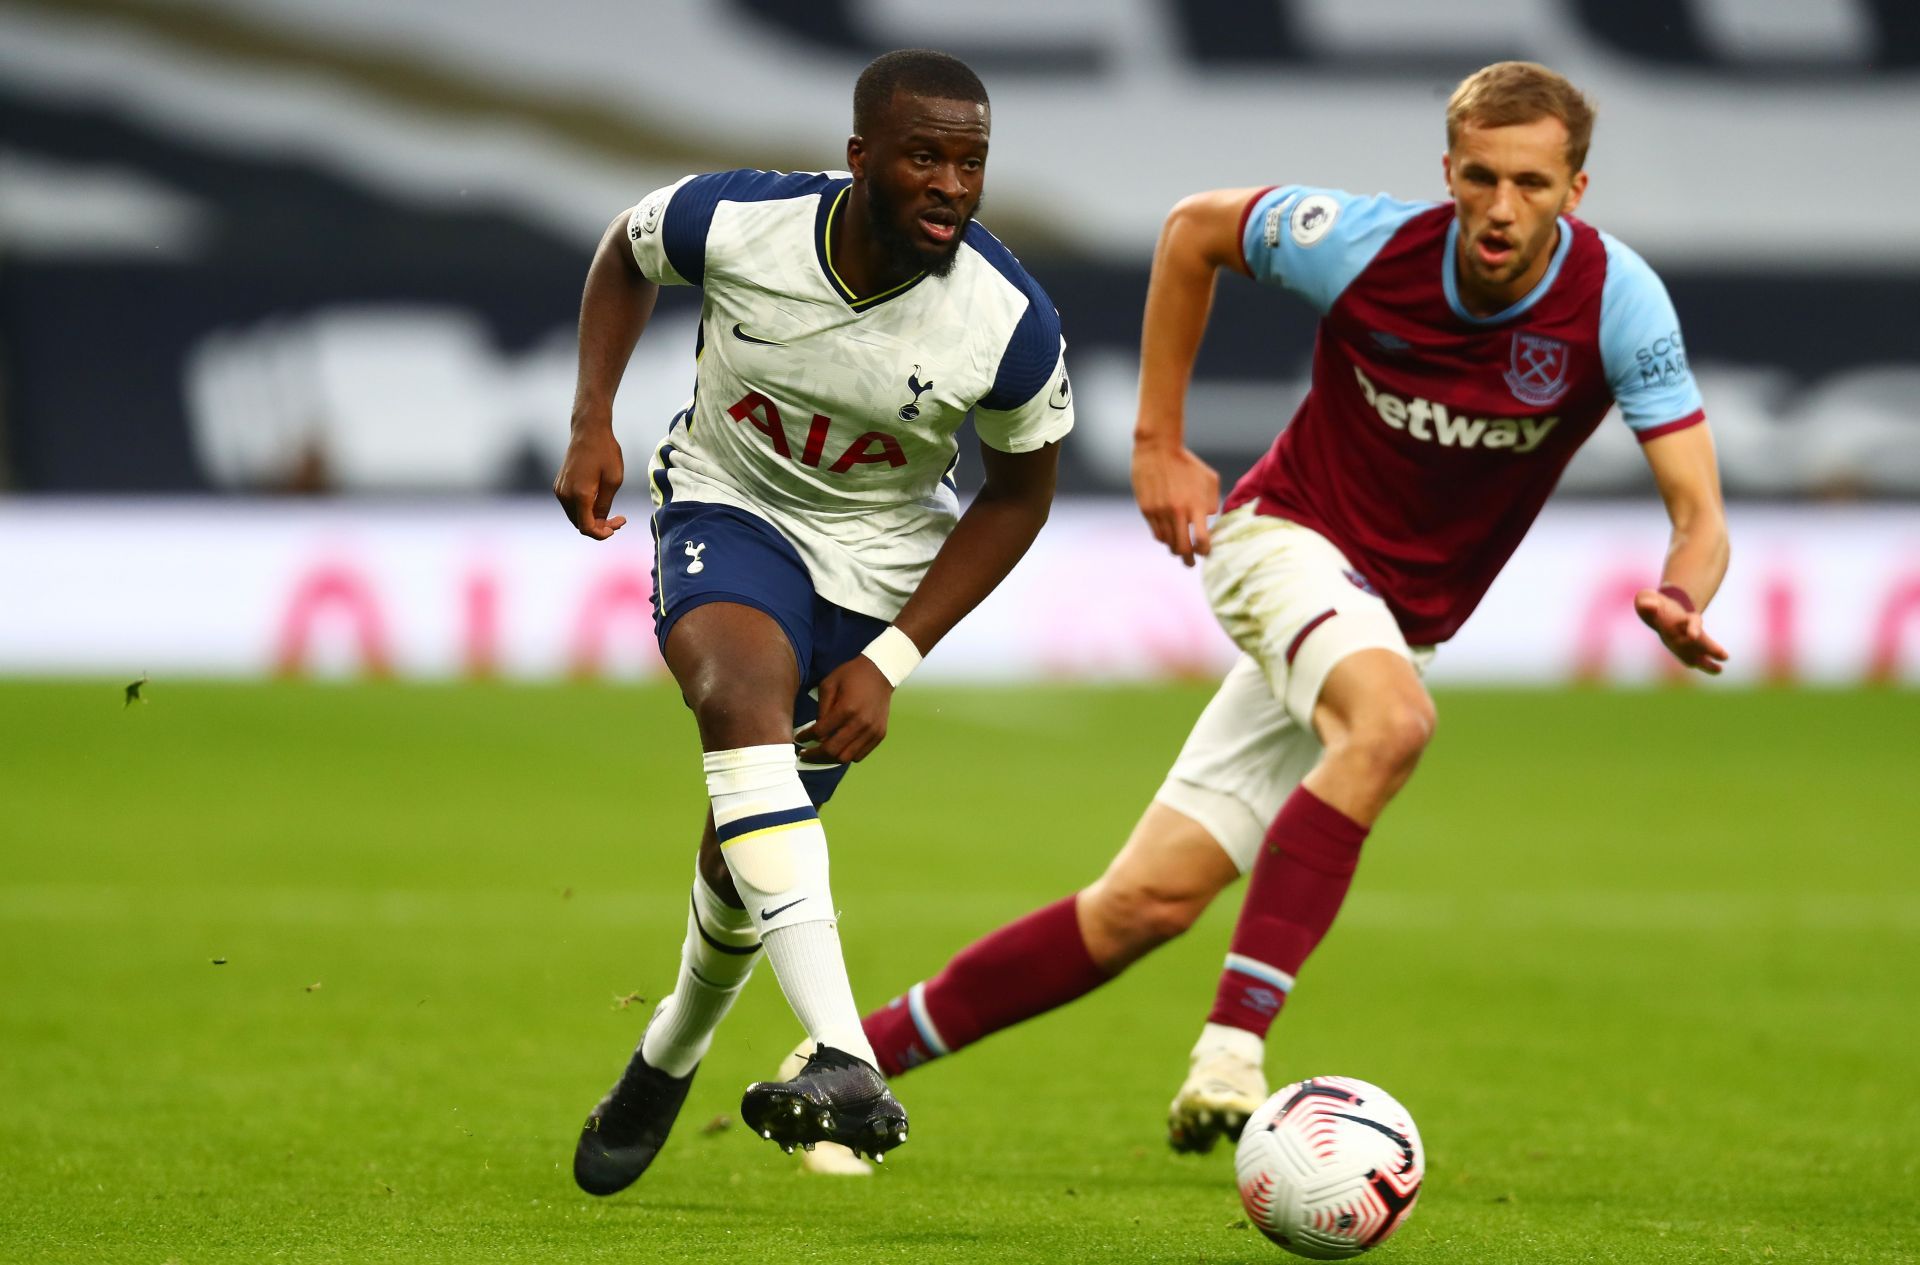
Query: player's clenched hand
{"points": [[588, 478], [1681, 630], [1177, 492], [854, 700]]}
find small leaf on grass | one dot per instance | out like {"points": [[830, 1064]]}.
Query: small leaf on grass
{"points": [[631, 999], [719, 1124], [314, 987], [219, 961], [133, 692]]}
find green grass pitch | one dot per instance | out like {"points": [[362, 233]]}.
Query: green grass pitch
{"points": [[330, 973]]}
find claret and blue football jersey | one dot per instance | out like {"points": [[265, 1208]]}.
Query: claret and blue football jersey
{"points": [[830, 415], [1431, 437]]}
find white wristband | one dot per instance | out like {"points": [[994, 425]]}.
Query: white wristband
{"points": [[894, 653]]}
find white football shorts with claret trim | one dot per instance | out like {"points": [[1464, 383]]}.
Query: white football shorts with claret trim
{"points": [[1295, 606]]}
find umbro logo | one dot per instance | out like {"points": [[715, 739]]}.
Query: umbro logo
{"points": [[740, 333]]}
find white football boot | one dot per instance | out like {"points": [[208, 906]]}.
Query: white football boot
{"points": [[822, 1157], [1225, 1084]]}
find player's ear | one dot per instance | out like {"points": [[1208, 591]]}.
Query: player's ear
{"points": [[856, 157], [1575, 191], [1446, 171]]}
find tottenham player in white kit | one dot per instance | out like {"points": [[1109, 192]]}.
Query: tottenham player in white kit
{"points": [[808, 539]]}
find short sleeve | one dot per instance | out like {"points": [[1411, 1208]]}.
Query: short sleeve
{"points": [[647, 233], [1314, 242], [669, 227], [1046, 415], [1641, 348], [1030, 403]]}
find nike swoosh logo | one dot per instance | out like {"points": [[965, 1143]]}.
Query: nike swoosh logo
{"points": [[767, 915], [745, 337]]}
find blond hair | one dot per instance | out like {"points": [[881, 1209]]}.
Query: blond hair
{"points": [[1511, 92]]}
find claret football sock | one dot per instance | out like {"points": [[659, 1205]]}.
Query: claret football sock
{"points": [[715, 960], [1024, 969], [1299, 879]]}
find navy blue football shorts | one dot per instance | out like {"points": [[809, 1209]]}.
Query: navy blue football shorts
{"points": [[716, 553]]}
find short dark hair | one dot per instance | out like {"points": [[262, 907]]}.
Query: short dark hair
{"points": [[920, 71]]}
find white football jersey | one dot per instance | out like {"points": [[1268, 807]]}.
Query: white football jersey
{"points": [[832, 417]]}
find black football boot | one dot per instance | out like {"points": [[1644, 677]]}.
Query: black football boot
{"points": [[628, 1127], [836, 1097]]}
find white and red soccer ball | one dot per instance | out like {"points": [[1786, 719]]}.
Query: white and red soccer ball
{"points": [[1329, 1167]]}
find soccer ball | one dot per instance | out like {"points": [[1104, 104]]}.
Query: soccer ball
{"points": [[1329, 1167]]}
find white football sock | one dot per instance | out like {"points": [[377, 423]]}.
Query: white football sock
{"points": [[715, 960], [806, 959], [769, 835], [777, 853], [813, 974]]}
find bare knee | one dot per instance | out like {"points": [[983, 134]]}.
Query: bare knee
{"points": [[1375, 719], [1162, 880], [736, 713], [736, 673], [1131, 919], [741, 704], [1392, 736]]}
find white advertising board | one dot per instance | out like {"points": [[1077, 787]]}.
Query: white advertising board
{"points": [[442, 591]]}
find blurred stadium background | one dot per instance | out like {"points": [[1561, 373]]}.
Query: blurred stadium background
{"points": [[287, 294], [287, 297]]}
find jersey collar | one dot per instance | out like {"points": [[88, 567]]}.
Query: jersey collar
{"points": [[1450, 276], [831, 201]]}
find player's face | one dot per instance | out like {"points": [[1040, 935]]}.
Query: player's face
{"points": [[924, 167], [1510, 185]]}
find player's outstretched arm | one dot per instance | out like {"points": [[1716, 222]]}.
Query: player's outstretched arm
{"points": [[1689, 481], [989, 539], [1176, 491], [613, 311]]}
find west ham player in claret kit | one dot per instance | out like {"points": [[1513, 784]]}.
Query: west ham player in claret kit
{"points": [[1465, 350], [809, 545]]}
